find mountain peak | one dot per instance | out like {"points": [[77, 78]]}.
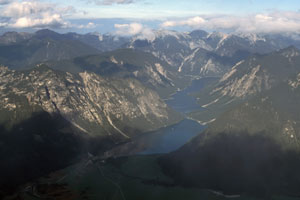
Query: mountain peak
{"points": [[47, 33], [198, 34], [10, 33], [217, 35], [13, 37], [167, 33]]}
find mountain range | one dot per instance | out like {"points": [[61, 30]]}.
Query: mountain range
{"points": [[252, 146], [65, 96], [196, 53], [247, 78], [45, 111], [128, 63]]}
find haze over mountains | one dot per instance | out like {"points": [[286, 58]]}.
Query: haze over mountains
{"points": [[86, 94], [170, 46]]}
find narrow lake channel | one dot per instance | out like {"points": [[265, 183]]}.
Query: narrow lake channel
{"points": [[173, 137]]}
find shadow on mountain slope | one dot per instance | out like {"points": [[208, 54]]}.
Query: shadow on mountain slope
{"points": [[35, 147], [45, 143], [235, 164]]}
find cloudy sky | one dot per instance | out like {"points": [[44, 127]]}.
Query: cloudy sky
{"points": [[129, 17]]}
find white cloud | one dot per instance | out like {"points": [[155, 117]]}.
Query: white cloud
{"points": [[34, 14], [137, 29], [110, 2], [89, 25], [53, 21], [193, 22], [3, 24], [147, 33], [274, 22], [128, 29]]}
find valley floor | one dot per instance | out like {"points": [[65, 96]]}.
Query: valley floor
{"points": [[124, 178]]}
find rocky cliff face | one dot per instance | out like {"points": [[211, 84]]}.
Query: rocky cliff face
{"points": [[48, 118], [128, 63], [253, 148], [248, 78], [97, 106], [259, 73], [205, 63]]}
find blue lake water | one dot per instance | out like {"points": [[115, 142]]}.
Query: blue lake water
{"points": [[173, 137], [183, 102]]}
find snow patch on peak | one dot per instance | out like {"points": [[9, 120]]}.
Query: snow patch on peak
{"points": [[252, 37], [152, 35], [217, 35], [165, 33]]}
